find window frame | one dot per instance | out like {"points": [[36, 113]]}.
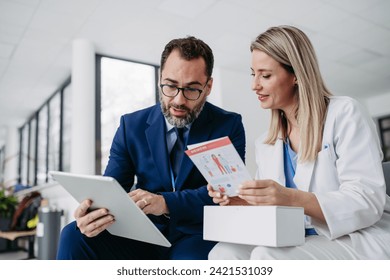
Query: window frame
{"points": [[35, 116], [382, 131], [2, 164], [98, 132]]}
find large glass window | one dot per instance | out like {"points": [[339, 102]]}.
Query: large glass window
{"points": [[384, 132], [24, 160], [125, 87], [31, 156], [45, 139], [54, 132], [66, 127], [2, 159], [42, 145]]}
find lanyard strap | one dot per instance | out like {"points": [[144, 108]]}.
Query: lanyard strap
{"points": [[172, 178]]}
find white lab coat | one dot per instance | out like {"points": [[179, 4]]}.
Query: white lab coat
{"points": [[346, 177]]}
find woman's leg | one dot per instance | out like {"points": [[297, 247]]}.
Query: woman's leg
{"points": [[230, 251], [315, 248]]}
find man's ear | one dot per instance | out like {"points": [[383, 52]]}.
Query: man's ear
{"points": [[209, 85]]}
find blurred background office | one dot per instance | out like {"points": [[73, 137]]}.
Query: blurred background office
{"points": [[70, 68]]}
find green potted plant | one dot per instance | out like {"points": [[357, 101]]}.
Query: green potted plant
{"points": [[8, 205]]}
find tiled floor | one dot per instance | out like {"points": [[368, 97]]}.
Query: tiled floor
{"points": [[15, 255], [17, 249]]}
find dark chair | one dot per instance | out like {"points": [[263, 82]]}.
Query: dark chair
{"points": [[386, 172]]}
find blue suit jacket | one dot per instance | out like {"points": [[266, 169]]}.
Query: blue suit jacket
{"points": [[139, 149]]}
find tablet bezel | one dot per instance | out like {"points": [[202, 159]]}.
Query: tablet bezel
{"points": [[105, 192]]}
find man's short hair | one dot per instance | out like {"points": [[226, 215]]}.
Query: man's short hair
{"points": [[190, 48]]}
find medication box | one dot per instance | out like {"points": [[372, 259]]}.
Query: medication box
{"points": [[275, 226]]}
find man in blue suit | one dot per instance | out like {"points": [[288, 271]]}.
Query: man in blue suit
{"points": [[141, 149]]}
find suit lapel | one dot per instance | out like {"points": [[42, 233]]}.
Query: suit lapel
{"points": [[157, 143], [200, 131]]}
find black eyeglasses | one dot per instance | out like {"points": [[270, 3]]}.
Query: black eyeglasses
{"points": [[188, 92]]}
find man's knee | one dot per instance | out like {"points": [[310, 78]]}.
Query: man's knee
{"points": [[70, 242], [191, 248], [70, 232]]}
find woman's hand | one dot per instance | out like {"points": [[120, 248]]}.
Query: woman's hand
{"points": [[269, 192], [224, 200], [266, 192]]}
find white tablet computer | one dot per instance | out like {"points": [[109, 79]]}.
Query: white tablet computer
{"points": [[106, 192]]}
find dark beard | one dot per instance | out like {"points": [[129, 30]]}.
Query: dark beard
{"points": [[181, 122]]}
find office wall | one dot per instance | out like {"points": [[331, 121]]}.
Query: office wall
{"points": [[378, 105], [237, 96]]}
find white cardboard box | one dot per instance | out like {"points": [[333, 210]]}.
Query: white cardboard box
{"points": [[275, 226]]}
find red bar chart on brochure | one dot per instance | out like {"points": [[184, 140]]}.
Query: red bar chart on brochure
{"points": [[220, 164]]}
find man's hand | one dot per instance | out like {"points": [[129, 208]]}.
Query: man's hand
{"points": [[150, 203], [223, 199], [94, 222]]}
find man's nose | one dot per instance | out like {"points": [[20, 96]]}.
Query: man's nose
{"points": [[179, 98]]}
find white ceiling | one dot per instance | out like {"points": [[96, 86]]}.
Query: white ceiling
{"points": [[352, 39]]}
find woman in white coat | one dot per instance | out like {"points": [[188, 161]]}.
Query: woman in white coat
{"points": [[321, 153]]}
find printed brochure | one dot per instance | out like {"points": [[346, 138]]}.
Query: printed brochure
{"points": [[220, 164]]}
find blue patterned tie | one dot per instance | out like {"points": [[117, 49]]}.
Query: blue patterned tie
{"points": [[177, 152]]}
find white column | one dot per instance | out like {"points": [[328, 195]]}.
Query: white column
{"points": [[82, 155], [11, 162]]}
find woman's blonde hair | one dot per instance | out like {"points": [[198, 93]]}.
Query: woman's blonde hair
{"points": [[293, 50]]}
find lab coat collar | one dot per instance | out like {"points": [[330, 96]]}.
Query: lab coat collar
{"points": [[274, 167]]}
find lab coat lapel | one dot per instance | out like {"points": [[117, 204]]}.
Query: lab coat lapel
{"points": [[303, 175], [273, 168]]}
